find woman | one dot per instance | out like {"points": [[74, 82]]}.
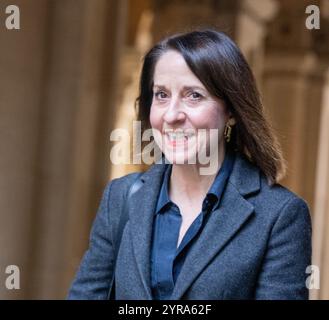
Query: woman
{"points": [[228, 233]]}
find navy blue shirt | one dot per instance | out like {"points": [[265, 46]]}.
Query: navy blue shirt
{"points": [[166, 258]]}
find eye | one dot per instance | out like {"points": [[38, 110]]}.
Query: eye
{"points": [[160, 95], [195, 96]]}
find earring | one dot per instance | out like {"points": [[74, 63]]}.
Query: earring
{"points": [[227, 131]]}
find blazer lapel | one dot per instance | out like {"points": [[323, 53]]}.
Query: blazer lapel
{"points": [[223, 224], [141, 212]]}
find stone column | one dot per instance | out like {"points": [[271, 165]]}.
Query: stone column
{"points": [[293, 87], [321, 195], [58, 87], [139, 40], [295, 92], [321, 202], [22, 59], [78, 107], [104, 34]]}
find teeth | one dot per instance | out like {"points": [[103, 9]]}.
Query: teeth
{"points": [[179, 135]]}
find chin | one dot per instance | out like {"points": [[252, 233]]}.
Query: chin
{"points": [[180, 157]]}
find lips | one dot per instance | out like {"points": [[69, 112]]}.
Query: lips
{"points": [[178, 137]]}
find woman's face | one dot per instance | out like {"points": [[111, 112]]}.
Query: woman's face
{"points": [[181, 107]]}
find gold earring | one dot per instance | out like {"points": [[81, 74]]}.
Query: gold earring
{"points": [[227, 132]]}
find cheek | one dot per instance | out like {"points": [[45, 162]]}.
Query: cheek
{"points": [[220, 118], [155, 118], [212, 118]]}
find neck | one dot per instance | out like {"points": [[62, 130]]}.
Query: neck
{"points": [[187, 181]]}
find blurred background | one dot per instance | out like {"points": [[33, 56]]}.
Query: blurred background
{"points": [[69, 76]]}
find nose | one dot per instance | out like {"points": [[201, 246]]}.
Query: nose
{"points": [[174, 112]]}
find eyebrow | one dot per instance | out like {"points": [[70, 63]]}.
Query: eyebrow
{"points": [[184, 88]]}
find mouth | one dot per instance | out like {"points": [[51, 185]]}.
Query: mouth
{"points": [[178, 137]]}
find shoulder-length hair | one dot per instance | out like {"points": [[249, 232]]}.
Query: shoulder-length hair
{"points": [[219, 64]]}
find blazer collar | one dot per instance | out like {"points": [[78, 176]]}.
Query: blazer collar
{"points": [[245, 176], [222, 226]]}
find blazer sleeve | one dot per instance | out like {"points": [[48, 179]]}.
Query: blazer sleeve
{"points": [[93, 277], [283, 272]]}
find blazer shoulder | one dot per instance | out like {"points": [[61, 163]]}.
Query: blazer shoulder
{"points": [[276, 200], [285, 222], [116, 189], [281, 193]]}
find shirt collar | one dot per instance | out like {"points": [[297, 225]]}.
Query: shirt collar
{"points": [[217, 188], [164, 191]]}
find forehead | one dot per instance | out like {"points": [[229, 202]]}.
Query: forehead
{"points": [[171, 67]]}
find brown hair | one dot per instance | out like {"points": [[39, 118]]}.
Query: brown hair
{"points": [[219, 64]]}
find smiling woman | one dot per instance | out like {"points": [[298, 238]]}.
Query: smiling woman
{"points": [[234, 233]]}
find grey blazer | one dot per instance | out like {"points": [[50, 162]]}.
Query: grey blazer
{"points": [[257, 245]]}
